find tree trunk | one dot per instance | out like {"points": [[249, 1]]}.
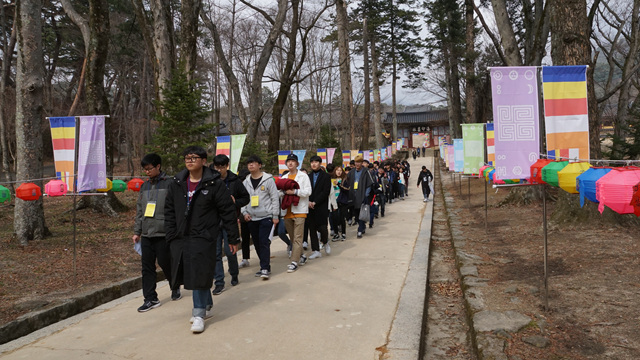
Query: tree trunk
{"points": [[366, 118], [7, 57], [377, 106], [507, 35], [470, 57], [346, 94], [163, 44], [29, 223], [189, 12], [255, 101]]}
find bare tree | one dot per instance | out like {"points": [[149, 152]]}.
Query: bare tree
{"points": [[29, 221], [7, 56], [189, 12], [346, 89]]}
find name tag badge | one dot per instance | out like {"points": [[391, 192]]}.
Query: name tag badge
{"points": [[355, 185], [150, 210], [254, 200]]}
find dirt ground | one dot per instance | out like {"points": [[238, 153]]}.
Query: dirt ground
{"points": [[593, 275], [41, 275]]}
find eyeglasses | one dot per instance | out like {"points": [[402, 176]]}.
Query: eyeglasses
{"points": [[148, 169], [191, 159]]}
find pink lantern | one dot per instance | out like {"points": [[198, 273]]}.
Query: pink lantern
{"points": [[496, 181], [615, 189], [480, 172], [55, 188]]}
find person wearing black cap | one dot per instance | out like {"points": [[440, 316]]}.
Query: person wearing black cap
{"points": [[262, 212], [424, 177], [318, 207], [296, 214]]}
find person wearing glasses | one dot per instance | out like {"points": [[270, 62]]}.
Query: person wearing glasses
{"points": [[198, 205], [148, 229]]}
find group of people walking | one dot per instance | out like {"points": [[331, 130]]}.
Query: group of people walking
{"points": [[188, 221]]}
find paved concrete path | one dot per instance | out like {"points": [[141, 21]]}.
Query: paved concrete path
{"points": [[340, 306]]}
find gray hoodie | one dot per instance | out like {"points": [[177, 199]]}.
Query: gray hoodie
{"points": [[267, 196]]}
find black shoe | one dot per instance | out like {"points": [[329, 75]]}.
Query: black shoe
{"points": [[370, 226], [175, 294], [359, 236], [148, 305], [218, 290], [234, 281]]}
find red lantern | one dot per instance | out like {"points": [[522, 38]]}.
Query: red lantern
{"points": [[615, 189], [135, 184], [55, 188], [28, 192], [536, 170]]}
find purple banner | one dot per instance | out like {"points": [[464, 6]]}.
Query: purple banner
{"points": [[92, 159], [516, 119]]}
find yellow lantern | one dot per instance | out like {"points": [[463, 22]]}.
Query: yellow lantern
{"points": [[567, 176], [109, 186]]}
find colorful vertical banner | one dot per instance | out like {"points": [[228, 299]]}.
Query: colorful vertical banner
{"points": [[566, 111], [389, 151], [346, 157], [237, 144], [491, 148], [458, 149], [383, 154], [223, 145], [516, 120], [473, 140], [323, 155], [92, 155], [330, 153], [354, 153], [451, 156], [63, 137], [282, 160], [300, 154], [366, 154], [394, 147]]}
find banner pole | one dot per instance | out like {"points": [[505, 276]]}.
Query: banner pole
{"points": [[544, 227], [75, 197], [486, 228], [469, 191]]}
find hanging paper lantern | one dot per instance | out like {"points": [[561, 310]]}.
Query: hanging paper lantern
{"points": [[109, 186], [550, 172], [118, 185], [567, 176], [511, 181], [5, 194], [494, 178], [481, 171], [586, 183], [55, 188], [615, 189], [135, 184], [536, 170], [492, 175], [635, 199], [486, 173], [28, 192]]}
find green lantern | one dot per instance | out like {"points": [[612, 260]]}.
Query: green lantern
{"points": [[5, 194], [550, 172], [118, 186]]}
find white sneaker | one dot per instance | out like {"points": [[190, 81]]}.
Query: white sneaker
{"points": [[321, 246], [198, 325], [305, 245], [207, 315], [327, 249], [315, 255], [243, 263], [425, 200]]}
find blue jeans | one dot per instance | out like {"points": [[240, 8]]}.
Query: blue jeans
{"points": [[202, 302], [362, 226], [232, 259], [282, 232], [260, 231]]}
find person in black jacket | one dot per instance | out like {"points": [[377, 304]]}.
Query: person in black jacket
{"points": [[197, 205], [424, 177], [148, 229], [240, 197], [318, 207]]}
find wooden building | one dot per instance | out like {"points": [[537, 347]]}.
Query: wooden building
{"points": [[419, 125]]}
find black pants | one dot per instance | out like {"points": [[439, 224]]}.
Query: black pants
{"points": [[154, 248], [339, 217], [246, 240], [426, 190], [317, 221]]}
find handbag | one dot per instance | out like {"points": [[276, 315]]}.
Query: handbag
{"points": [[364, 212]]}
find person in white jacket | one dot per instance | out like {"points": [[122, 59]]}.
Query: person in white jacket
{"points": [[296, 214], [262, 212]]}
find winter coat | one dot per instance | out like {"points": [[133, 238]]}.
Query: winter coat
{"points": [[153, 190], [320, 194], [424, 177], [305, 190], [192, 231], [237, 190], [343, 198], [361, 194], [285, 184], [268, 198]]}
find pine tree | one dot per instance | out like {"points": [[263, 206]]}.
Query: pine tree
{"points": [[181, 120]]}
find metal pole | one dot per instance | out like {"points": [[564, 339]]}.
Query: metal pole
{"points": [[469, 191], [544, 228], [460, 185]]}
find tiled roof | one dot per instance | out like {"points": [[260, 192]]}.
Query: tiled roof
{"points": [[421, 117]]}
